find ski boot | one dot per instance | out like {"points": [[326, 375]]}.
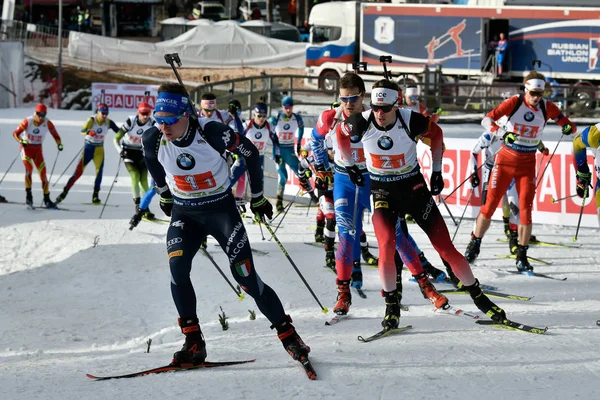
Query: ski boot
{"points": [[533, 240], [279, 204], [430, 292], [356, 277], [292, 343], [3, 199], [62, 196], [28, 198], [523, 264], [136, 201], [194, 349], [95, 198], [437, 275], [330, 260], [369, 258], [392, 310], [513, 241], [319, 235], [47, 202], [148, 214], [135, 220], [485, 304], [473, 248], [344, 298], [204, 243], [507, 229]]}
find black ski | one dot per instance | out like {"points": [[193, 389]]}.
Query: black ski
{"points": [[490, 293], [170, 368], [535, 274], [360, 292], [515, 326], [384, 333], [532, 259]]}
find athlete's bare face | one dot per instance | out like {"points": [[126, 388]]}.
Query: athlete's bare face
{"points": [[171, 125], [533, 98], [352, 100], [143, 117], [39, 118], [101, 116], [288, 110]]}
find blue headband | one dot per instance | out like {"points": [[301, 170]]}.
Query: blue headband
{"points": [[172, 103]]}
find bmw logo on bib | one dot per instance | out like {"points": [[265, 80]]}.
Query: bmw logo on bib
{"points": [[286, 126], [36, 131], [385, 143], [140, 131], [99, 130], [257, 135], [354, 138], [185, 161], [529, 116]]}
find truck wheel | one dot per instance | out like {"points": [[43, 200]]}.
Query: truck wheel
{"points": [[328, 81]]}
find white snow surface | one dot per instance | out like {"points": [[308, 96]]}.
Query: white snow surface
{"points": [[70, 307]]}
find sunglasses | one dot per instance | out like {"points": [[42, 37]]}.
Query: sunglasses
{"points": [[536, 94], [261, 116], [208, 109], [413, 98], [41, 114], [386, 108], [167, 120], [350, 99], [288, 108], [144, 114]]}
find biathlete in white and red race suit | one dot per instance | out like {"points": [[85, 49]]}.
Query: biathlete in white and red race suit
{"points": [[389, 136], [411, 102], [521, 135], [30, 134], [185, 158]]}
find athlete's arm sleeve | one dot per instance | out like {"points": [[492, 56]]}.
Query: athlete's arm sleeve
{"points": [[553, 112], [113, 126], [504, 109], [425, 127], [151, 144], [87, 126], [275, 141], [117, 142], [300, 129], [53, 132], [355, 125], [580, 150], [20, 129], [221, 137], [317, 138]]}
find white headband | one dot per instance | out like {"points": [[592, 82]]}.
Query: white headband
{"points": [[384, 96], [208, 104], [535, 85], [412, 91]]}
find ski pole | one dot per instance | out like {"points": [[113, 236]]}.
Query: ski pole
{"points": [[553, 200], [448, 208], [74, 158], [111, 188], [463, 215], [580, 215], [9, 167], [287, 207], [549, 160], [463, 182], [51, 172], [353, 231], [239, 294], [285, 253]]}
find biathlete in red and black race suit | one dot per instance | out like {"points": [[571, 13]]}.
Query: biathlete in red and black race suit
{"points": [[185, 158], [389, 136]]}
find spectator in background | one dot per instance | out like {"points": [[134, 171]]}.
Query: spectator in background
{"points": [[172, 9], [292, 12], [256, 14], [43, 21], [501, 51]]}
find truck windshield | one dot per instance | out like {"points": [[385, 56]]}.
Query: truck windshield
{"points": [[325, 33]]}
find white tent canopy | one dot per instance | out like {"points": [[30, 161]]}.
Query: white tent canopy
{"points": [[220, 45]]}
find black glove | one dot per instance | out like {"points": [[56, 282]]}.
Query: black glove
{"points": [[261, 208], [437, 183], [304, 183], [355, 175], [232, 109], [323, 178], [277, 159], [583, 183], [166, 202], [475, 179], [509, 137], [567, 129], [298, 148], [123, 153]]}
